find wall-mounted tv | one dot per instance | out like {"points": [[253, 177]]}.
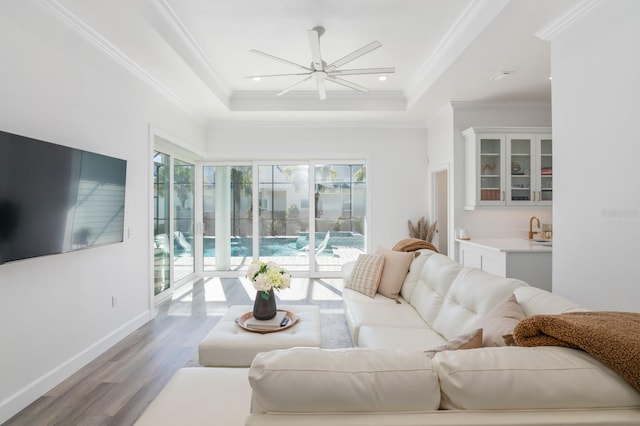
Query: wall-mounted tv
{"points": [[55, 199]]}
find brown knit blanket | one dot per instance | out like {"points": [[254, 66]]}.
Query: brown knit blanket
{"points": [[611, 337], [413, 244]]}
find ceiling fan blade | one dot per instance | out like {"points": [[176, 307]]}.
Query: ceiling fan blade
{"points": [[275, 58], [354, 55], [322, 91], [314, 42], [275, 75], [348, 84], [292, 86], [387, 70]]}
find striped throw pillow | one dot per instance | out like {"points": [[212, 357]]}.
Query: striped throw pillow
{"points": [[366, 274]]}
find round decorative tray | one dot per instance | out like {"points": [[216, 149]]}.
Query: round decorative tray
{"points": [[246, 322]]}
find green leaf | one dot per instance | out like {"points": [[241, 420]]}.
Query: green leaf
{"points": [[264, 295]]}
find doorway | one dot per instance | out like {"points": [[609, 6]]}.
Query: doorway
{"points": [[441, 207]]}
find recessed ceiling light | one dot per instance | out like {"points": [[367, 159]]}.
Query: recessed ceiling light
{"points": [[550, 77], [382, 78], [256, 79]]}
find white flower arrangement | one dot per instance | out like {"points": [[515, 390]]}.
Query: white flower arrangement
{"points": [[268, 275]]}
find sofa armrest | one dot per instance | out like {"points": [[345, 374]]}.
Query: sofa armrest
{"points": [[312, 380], [347, 271]]}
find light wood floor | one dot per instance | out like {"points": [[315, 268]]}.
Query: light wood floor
{"points": [[115, 388]]}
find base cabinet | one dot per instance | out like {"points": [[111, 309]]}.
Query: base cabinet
{"points": [[533, 267]]}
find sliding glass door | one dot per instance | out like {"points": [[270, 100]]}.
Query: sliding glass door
{"points": [[227, 217], [183, 219], [161, 223], [310, 217], [340, 214], [173, 221]]}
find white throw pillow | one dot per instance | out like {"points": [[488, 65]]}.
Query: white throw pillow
{"points": [[313, 380]]}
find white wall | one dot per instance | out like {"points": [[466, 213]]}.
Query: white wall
{"points": [[440, 151], [56, 311], [595, 65], [397, 162], [498, 222]]}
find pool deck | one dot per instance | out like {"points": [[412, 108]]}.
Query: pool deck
{"points": [[299, 263]]}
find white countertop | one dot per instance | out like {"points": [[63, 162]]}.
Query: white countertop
{"points": [[507, 244]]}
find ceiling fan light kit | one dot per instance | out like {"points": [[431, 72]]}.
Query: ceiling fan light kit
{"points": [[320, 71]]}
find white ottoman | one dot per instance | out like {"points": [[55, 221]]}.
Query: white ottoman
{"points": [[228, 345]]}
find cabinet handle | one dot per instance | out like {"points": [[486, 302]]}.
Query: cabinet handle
{"points": [[502, 196], [539, 196]]}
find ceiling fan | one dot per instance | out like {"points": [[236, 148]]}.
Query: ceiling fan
{"points": [[321, 72]]}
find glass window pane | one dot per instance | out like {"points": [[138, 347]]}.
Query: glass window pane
{"points": [[161, 257], [285, 204], [183, 192], [228, 230], [283, 221], [340, 214]]}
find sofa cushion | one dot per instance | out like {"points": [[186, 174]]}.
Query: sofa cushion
{"points": [[405, 338], [500, 322], [471, 296], [536, 301], [366, 274], [396, 267], [195, 395], [471, 340], [415, 268], [436, 277], [312, 380], [515, 378], [379, 311]]}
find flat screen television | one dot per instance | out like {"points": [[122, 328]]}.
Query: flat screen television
{"points": [[55, 199]]}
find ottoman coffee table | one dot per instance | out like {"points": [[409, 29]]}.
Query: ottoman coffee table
{"points": [[229, 345]]}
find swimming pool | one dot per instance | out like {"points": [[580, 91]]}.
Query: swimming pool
{"points": [[286, 245]]}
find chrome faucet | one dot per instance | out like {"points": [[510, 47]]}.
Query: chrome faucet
{"points": [[531, 231]]}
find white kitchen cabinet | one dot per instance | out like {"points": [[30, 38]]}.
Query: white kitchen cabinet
{"points": [[508, 167], [512, 258]]}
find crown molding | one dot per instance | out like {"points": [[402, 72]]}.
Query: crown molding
{"points": [[473, 19], [496, 105], [318, 124], [211, 77], [81, 28], [309, 101], [566, 20]]}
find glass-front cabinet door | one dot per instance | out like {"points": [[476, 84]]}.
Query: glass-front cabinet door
{"points": [[520, 161], [491, 159], [545, 160], [508, 167]]}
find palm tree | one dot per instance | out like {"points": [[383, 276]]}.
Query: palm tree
{"points": [[241, 183], [360, 174]]}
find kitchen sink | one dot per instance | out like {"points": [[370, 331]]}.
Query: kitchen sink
{"points": [[542, 242]]}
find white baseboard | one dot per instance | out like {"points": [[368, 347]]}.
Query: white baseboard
{"points": [[34, 390]]}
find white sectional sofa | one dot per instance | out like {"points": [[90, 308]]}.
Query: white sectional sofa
{"points": [[389, 380]]}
